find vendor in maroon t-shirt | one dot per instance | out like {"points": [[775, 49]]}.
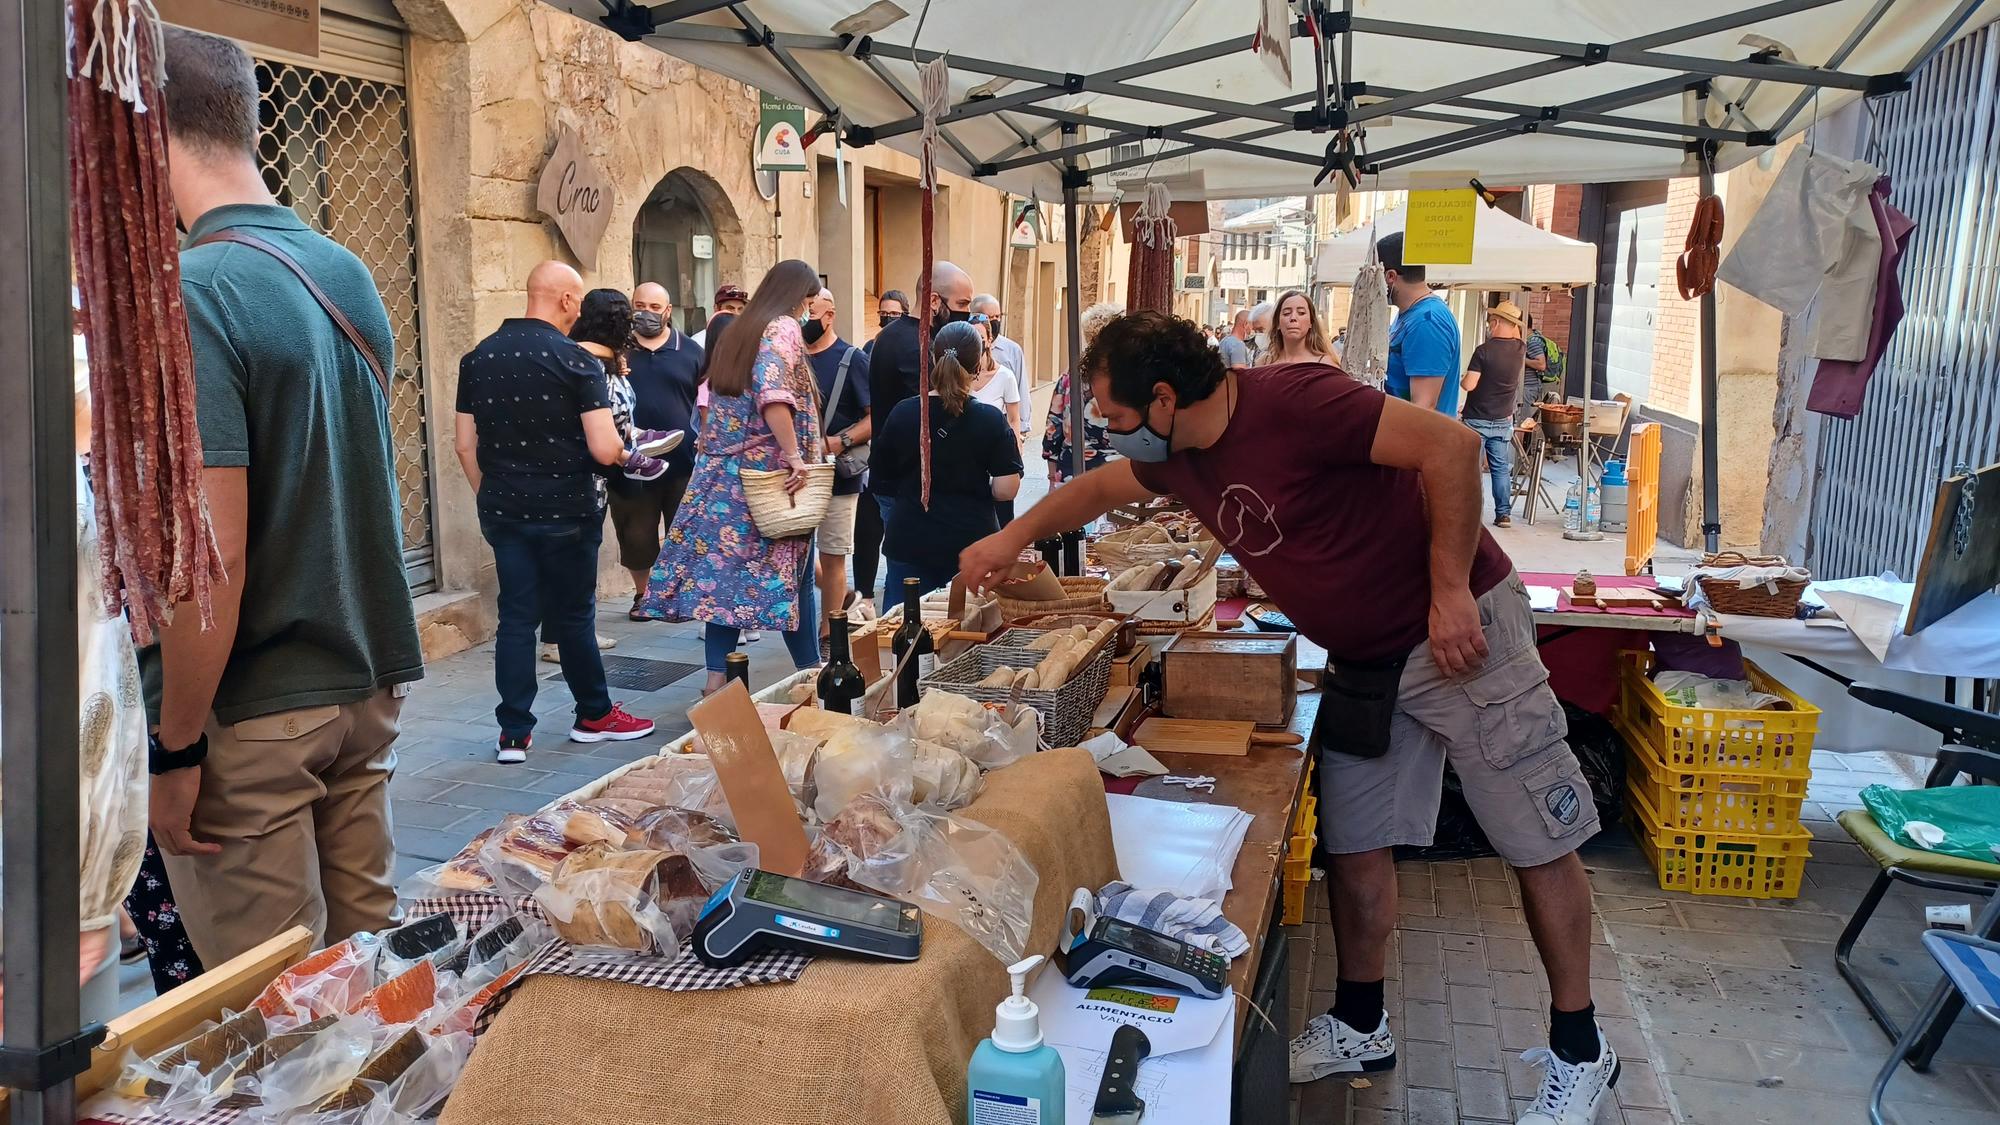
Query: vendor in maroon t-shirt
{"points": [[1359, 516]]}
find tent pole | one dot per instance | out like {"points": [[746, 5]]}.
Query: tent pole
{"points": [[1711, 483], [38, 575], [1073, 313]]}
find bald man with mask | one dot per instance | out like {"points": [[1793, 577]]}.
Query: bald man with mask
{"points": [[534, 428], [665, 370]]}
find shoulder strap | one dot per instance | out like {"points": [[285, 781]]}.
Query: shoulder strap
{"points": [[832, 402], [339, 318]]}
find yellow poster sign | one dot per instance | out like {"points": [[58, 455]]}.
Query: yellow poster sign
{"points": [[1439, 227]]}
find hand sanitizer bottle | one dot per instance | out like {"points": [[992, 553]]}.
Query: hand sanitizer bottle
{"points": [[1015, 1078]]}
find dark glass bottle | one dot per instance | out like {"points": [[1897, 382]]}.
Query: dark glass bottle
{"points": [[736, 666], [840, 682], [911, 634]]}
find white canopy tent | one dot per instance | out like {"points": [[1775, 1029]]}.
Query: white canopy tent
{"points": [[1506, 254], [1079, 96]]}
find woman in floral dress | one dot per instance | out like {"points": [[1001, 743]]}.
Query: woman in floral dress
{"points": [[763, 414]]}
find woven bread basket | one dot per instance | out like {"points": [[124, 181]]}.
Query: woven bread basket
{"points": [[1779, 598], [1145, 543], [782, 515], [1085, 595]]}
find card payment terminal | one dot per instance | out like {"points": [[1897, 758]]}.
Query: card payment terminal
{"points": [[1116, 952], [759, 910]]}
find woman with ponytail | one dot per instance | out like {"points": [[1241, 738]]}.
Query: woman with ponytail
{"points": [[975, 461]]}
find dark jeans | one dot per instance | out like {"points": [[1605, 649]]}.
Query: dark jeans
{"points": [[928, 578], [548, 579], [867, 544]]}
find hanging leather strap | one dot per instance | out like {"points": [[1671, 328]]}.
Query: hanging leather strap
{"points": [[339, 318]]}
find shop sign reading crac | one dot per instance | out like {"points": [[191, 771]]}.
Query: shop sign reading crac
{"points": [[577, 195]]}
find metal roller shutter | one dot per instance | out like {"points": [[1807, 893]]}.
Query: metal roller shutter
{"points": [[1628, 278]]}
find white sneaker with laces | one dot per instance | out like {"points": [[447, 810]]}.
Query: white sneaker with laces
{"points": [[1571, 1093], [1328, 1046]]}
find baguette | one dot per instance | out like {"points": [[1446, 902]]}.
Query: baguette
{"points": [[1046, 641], [1169, 572], [1001, 677], [1131, 578]]}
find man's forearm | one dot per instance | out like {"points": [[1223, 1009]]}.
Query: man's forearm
{"points": [[1451, 493], [468, 460]]}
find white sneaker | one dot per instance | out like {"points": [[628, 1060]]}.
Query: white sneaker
{"points": [[1328, 1046], [1571, 1093]]}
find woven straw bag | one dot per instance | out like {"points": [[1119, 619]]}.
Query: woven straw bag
{"points": [[782, 515], [1086, 595]]}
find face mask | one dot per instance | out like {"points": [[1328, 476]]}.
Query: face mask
{"points": [[884, 320], [1260, 340], [648, 324], [994, 323], [1144, 444], [813, 330], [946, 315]]}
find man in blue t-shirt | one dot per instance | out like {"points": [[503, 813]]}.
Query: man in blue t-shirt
{"points": [[1423, 342]]}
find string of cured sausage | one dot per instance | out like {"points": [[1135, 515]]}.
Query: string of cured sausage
{"points": [[155, 544], [1694, 270]]}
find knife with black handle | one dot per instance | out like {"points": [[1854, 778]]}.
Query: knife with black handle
{"points": [[1118, 1100]]}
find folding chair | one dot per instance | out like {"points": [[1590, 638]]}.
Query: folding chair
{"points": [[1971, 747], [1971, 976]]}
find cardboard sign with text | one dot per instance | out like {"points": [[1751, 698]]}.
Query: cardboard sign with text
{"points": [[578, 195]]}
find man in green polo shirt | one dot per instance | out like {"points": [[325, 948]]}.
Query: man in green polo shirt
{"points": [[277, 725]]}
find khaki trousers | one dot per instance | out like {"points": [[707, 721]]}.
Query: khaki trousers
{"points": [[299, 802]]}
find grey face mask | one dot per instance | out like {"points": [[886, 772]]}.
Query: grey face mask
{"points": [[1144, 444], [648, 324]]}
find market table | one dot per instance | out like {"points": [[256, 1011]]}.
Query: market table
{"points": [[851, 1028]]}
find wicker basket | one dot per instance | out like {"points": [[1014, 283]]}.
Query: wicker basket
{"points": [[1771, 599], [1146, 543], [1085, 595], [1066, 711], [782, 515], [1175, 628]]}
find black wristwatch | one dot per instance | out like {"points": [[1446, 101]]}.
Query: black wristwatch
{"points": [[161, 760]]}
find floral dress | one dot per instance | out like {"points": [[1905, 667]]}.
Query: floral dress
{"points": [[1056, 437], [714, 567]]}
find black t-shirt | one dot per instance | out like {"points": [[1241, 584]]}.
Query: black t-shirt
{"points": [[854, 401], [1499, 362], [527, 387], [967, 452], [663, 389], [893, 365]]}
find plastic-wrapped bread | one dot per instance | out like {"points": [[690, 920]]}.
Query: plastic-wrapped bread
{"points": [[1024, 679]]}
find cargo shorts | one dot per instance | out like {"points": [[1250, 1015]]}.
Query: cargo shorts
{"points": [[1501, 729]]}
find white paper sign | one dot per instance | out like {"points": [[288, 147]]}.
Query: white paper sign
{"points": [[1274, 39]]}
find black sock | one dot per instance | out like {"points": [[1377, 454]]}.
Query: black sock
{"points": [[1358, 1004], [1573, 1035]]}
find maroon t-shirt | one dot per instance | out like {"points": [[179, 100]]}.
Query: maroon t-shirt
{"points": [[1341, 544]]}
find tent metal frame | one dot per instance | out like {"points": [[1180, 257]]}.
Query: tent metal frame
{"points": [[44, 1049], [1332, 107]]}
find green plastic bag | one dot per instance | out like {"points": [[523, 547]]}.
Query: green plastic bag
{"points": [[1968, 814]]}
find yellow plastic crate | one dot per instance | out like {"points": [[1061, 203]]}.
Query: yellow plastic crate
{"points": [[1719, 740], [1711, 801], [1298, 855], [1739, 864]]}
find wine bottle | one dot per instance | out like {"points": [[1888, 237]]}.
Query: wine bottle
{"points": [[736, 666], [840, 682], [911, 635]]}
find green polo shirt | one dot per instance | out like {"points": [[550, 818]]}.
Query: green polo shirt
{"points": [[283, 393]]}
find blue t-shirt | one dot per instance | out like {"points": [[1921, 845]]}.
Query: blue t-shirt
{"points": [[1423, 343]]}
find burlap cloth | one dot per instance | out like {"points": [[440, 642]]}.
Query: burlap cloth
{"points": [[855, 1042]]}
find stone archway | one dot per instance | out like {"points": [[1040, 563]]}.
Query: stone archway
{"points": [[685, 208]]}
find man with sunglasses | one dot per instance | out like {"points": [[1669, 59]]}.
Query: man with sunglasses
{"points": [[1006, 352]]}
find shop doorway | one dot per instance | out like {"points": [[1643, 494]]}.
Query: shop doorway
{"points": [[688, 239]]}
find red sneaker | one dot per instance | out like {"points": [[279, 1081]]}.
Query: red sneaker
{"points": [[616, 725]]}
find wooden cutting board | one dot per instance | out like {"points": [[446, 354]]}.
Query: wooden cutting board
{"points": [[1194, 736], [751, 779]]}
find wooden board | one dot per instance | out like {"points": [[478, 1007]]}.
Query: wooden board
{"points": [[1194, 736], [1947, 577], [751, 779], [163, 1021]]}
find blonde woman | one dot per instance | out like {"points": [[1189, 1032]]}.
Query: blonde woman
{"points": [[975, 464], [1300, 337], [1056, 439]]}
